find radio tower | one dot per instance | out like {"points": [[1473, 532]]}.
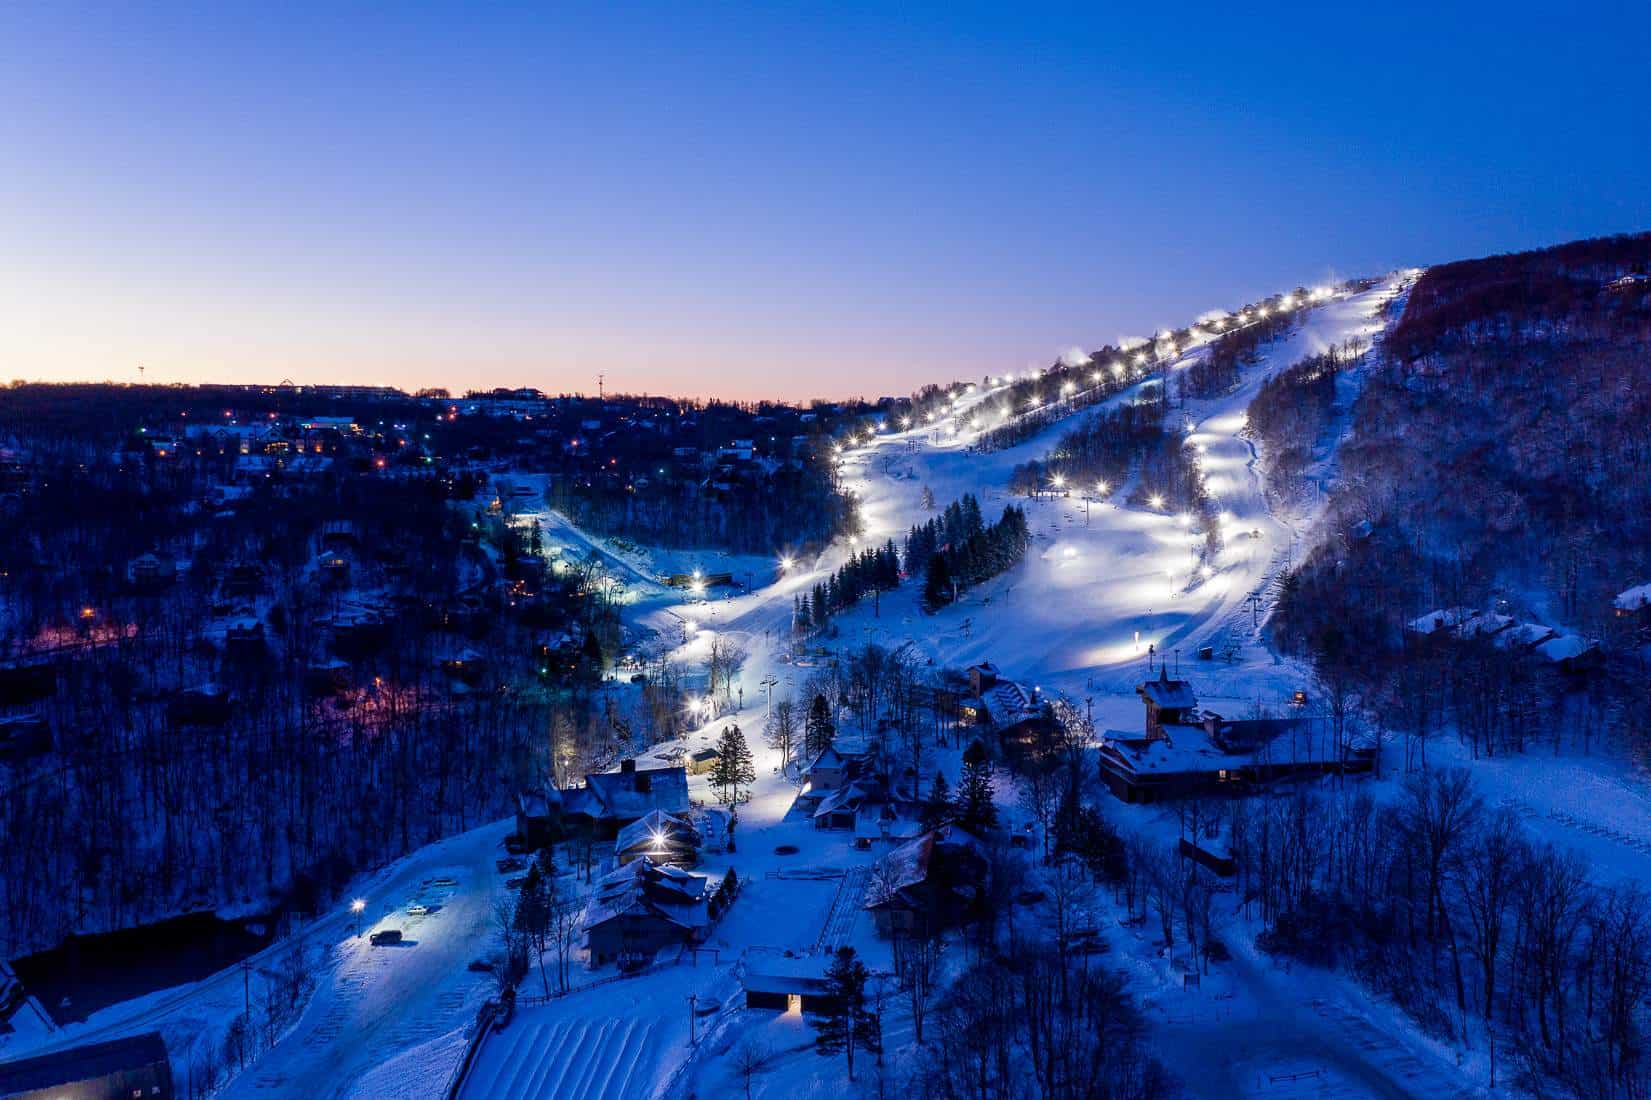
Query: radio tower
{"points": [[600, 379]]}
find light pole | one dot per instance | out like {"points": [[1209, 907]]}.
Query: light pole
{"points": [[356, 907], [693, 1038]]}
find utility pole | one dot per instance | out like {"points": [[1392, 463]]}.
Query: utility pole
{"points": [[693, 1038]]}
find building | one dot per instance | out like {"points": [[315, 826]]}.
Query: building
{"points": [[787, 983], [611, 800], [121, 1069], [838, 764], [538, 817], [642, 907], [995, 703], [928, 884], [701, 761], [1186, 751], [665, 838]]}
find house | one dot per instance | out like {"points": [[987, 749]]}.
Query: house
{"points": [[148, 571], [665, 838], [839, 762], [995, 703], [1187, 751], [787, 983], [611, 800], [838, 809], [927, 884], [641, 907], [701, 761], [539, 817], [115, 1070]]}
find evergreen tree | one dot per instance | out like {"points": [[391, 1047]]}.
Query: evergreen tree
{"points": [[937, 584], [975, 809], [847, 1024], [937, 808], [818, 729], [734, 765]]}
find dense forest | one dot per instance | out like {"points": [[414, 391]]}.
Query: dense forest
{"points": [[1498, 453], [238, 678]]}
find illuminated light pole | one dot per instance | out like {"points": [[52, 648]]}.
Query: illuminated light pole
{"points": [[356, 907]]}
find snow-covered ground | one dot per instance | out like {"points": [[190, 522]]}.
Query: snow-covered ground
{"points": [[1102, 583]]}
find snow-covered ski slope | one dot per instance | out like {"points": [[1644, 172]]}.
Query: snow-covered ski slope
{"points": [[1103, 582]]}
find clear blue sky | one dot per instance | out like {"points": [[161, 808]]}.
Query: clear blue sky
{"points": [[779, 199]]}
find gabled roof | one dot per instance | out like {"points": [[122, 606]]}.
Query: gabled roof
{"points": [[614, 795], [670, 829], [1169, 694], [1632, 599], [648, 889]]}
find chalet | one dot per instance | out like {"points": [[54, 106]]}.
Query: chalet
{"points": [[644, 906], [465, 666], [611, 800], [115, 1070], [701, 761], [1187, 752], [927, 884], [148, 571], [1570, 654], [1634, 602], [838, 763], [787, 983], [334, 569], [665, 838], [995, 703], [538, 817], [839, 808]]}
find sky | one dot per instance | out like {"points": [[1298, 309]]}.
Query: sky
{"points": [[761, 200]]}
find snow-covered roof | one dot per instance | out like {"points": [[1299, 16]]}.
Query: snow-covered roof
{"points": [[1169, 694], [1564, 647], [645, 888], [1435, 620], [656, 827], [765, 973], [616, 795], [1632, 599]]}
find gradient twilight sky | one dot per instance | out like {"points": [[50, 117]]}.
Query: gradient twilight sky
{"points": [[774, 199]]}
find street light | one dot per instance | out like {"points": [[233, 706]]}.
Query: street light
{"points": [[356, 907], [786, 562]]}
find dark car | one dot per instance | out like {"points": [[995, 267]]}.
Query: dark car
{"points": [[389, 935]]}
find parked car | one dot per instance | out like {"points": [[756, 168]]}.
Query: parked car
{"points": [[387, 936], [418, 909]]}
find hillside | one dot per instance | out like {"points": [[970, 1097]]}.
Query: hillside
{"points": [[1499, 454]]}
